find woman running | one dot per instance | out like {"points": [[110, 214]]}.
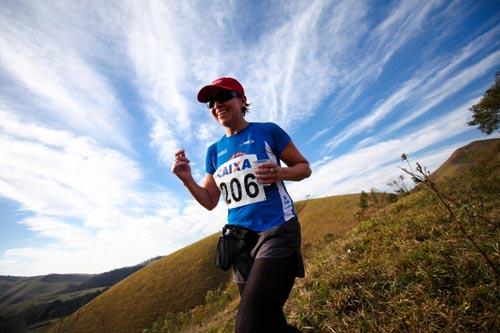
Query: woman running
{"points": [[244, 165]]}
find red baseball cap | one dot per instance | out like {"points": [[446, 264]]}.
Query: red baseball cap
{"points": [[208, 92]]}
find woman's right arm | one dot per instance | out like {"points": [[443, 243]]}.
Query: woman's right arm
{"points": [[207, 194]]}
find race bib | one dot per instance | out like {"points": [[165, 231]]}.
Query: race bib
{"points": [[237, 182]]}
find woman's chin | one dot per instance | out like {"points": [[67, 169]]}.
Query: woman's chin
{"points": [[225, 122]]}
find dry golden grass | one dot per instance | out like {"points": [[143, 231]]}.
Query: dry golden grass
{"points": [[181, 280], [327, 217], [462, 158], [176, 282]]}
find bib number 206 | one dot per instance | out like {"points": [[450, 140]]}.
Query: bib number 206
{"points": [[234, 191]]}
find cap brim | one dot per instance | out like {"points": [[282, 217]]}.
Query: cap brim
{"points": [[207, 93]]}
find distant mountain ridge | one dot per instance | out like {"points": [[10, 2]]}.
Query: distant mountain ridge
{"points": [[15, 290], [28, 300]]}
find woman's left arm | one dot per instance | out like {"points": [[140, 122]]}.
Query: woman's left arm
{"points": [[297, 166]]}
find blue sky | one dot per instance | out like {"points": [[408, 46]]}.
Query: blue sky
{"points": [[96, 96]]}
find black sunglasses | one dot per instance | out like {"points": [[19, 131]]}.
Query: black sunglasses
{"points": [[222, 97]]}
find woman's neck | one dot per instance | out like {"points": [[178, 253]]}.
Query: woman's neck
{"points": [[237, 128]]}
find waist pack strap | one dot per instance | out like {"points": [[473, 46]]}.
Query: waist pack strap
{"points": [[232, 241], [224, 229]]}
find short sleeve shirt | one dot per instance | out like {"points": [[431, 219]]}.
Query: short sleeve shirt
{"points": [[231, 162]]}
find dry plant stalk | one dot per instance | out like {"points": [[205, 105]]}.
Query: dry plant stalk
{"points": [[422, 175]]}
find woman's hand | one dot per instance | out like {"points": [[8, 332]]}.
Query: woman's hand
{"points": [[208, 193], [297, 167], [268, 173], [181, 167]]}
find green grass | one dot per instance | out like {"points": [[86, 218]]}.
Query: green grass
{"points": [[406, 269], [409, 267]]}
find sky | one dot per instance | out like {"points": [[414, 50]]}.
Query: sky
{"points": [[96, 96]]}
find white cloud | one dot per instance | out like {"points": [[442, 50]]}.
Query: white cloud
{"points": [[292, 68], [86, 202], [373, 166], [379, 113], [448, 87], [286, 72], [209, 132], [56, 172], [42, 52], [83, 82], [69, 236], [127, 243], [426, 89], [403, 24], [295, 66]]}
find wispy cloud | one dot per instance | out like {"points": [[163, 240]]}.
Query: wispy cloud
{"points": [[91, 91], [42, 53], [85, 199], [174, 50], [287, 72], [132, 240], [294, 67], [448, 88], [402, 25], [59, 173], [427, 88], [375, 164], [353, 72]]}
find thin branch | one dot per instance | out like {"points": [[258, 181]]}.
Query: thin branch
{"points": [[445, 201]]}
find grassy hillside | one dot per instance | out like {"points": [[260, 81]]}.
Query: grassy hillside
{"points": [[406, 267], [327, 217], [410, 268], [176, 282], [466, 157], [181, 280]]}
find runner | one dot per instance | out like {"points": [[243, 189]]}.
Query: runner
{"points": [[245, 166]]}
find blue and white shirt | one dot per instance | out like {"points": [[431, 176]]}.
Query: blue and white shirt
{"points": [[231, 162]]}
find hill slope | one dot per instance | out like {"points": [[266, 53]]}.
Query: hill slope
{"points": [[410, 267], [15, 290], [170, 284], [181, 280], [404, 256], [465, 157], [406, 267]]}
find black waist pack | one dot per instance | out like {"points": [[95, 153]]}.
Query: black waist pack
{"points": [[232, 242]]}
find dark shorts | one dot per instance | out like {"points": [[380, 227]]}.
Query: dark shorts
{"points": [[281, 241]]}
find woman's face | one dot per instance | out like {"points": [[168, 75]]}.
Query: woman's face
{"points": [[229, 113]]}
